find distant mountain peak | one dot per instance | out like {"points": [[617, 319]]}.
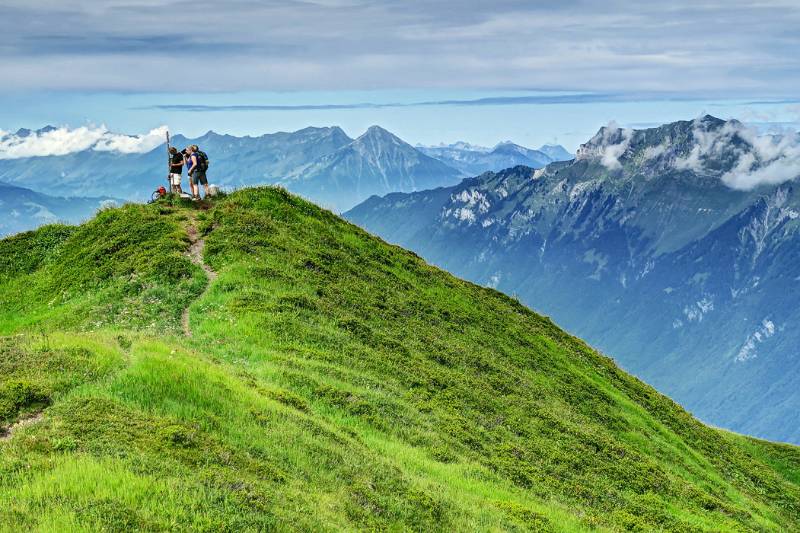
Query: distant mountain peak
{"points": [[556, 152], [510, 147], [458, 145], [321, 129], [704, 145], [25, 132], [377, 131], [463, 145], [711, 120], [378, 135]]}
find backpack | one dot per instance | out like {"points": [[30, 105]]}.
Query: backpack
{"points": [[202, 160]]}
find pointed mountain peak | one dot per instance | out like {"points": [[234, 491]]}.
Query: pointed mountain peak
{"points": [[556, 152], [710, 121], [337, 133], [376, 134], [508, 145], [25, 132], [377, 131]]}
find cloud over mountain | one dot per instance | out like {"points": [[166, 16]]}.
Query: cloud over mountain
{"points": [[64, 140], [739, 154], [759, 159]]}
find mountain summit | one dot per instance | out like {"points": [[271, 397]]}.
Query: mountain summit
{"points": [[377, 162], [473, 160], [261, 364]]}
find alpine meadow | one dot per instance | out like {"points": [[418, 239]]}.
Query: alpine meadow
{"points": [[379, 266], [254, 362]]}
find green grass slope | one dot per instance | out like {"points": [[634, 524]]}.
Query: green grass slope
{"points": [[330, 382]]}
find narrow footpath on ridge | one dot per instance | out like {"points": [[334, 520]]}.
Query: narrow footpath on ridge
{"points": [[7, 432], [195, 255]]}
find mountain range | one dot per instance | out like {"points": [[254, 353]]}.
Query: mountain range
{"points": [[676, 249], [473, 160], [256, 363], [323, 164], [23, 209]]}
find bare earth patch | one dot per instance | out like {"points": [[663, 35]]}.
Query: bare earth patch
{"points": [[195, 254], [7, 433]]}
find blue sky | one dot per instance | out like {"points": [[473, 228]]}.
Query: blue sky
{"points": [[433, 71]]}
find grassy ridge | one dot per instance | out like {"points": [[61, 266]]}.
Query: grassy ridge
{"points": [[332, 382]]}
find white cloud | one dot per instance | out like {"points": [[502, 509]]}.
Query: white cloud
{"points": [[127, 144], [774, 159], [613, 151], [653, 152], [608, 145], [107, 204], [63, 141], [768, 159]]}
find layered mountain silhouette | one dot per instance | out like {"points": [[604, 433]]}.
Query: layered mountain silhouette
{"points": [[473, 160], [23, 209], [377, 162], [323, 164], [676, 249]]}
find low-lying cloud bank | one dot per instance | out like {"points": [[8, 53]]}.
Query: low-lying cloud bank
{"points": [[64, 141]]}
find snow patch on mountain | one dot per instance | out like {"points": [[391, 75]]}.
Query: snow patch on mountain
{"points": [[748, 349], [598, 260], [475, 203], [696, 311]]}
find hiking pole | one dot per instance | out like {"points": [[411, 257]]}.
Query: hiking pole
{"points": [[169, 166]]}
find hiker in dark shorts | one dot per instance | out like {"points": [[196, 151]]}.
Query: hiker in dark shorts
{"points": [[197, 171], [175, 170]]}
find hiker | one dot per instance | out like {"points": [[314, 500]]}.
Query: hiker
{"points": [[197, 170], [175, 170]]}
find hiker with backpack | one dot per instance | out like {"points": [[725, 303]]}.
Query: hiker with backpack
{"points": [[198, 165]]}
